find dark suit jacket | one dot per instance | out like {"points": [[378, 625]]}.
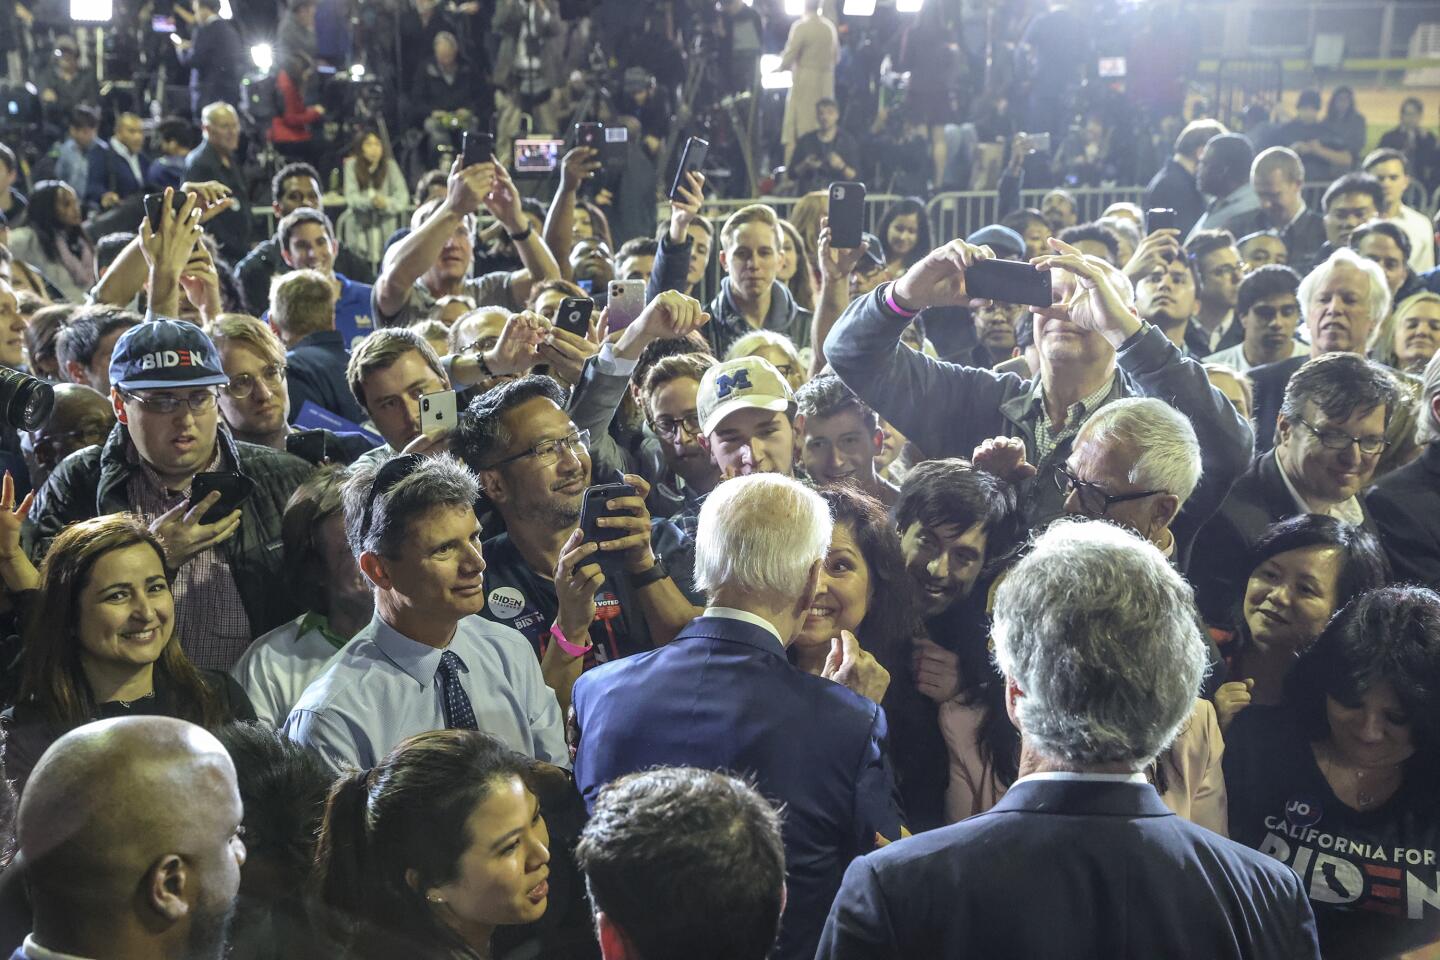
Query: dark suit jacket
{"points": [[1269, 382], [1065, 869], [722, 696], [109, 173], [316, 371], [1304, 239], [230, 229], [1220, 560], [1173, 186], [1406, 508]]}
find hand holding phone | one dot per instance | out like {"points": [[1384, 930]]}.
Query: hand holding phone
{"points": [[308, 445], [847, 214], [692, 160], [234, 489], [593, 507], [626, 301], [476, 148], [1009, 281], [573, 315], [1161, 218]]}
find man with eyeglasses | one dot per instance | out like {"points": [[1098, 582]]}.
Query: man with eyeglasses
{"points": [[578, 602], [1269, 311], [425, 661], [1330, 435], [81, 418], [1092, 347], [1218, 270], [668, 399], [165, 375], [255, 404]]}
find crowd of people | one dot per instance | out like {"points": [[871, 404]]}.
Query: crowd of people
{"points": [[502, 578]]}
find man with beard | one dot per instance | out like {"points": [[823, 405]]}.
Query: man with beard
{"points": [[114, 866], [578, 602], [1224, 175]]}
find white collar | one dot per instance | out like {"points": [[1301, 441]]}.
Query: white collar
{"points": [[33, 951], [1346, 510], [1298, 214], [1072, 775], [731, 613], [120, 148]]}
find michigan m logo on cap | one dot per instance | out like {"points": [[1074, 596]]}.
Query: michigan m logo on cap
{"points": [[726, 383]]}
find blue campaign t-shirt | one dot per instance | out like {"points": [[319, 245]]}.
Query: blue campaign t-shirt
{"points": [[353, 316]]}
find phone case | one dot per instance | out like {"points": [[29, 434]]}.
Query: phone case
{"points": [[691, 160], [592, 508], [627, 299], [847, 214], [1009, 281], [573, 315], [477, 148], [234, 490]]}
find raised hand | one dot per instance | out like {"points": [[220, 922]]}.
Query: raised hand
{"points": [[837, 263], [1089, 293], [1230, 699], [184, 536], [937, 670], [855, 668], [467, 187], [577, 577], [938, 280], [579, 165], [671, 315], [518, 348], [15, 567], [633, 548], [686, 207], [1158, 248], [168, 249], [1003, 457]]}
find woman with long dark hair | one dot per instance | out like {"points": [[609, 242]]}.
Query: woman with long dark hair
{"points": [[1339, 779], [904, 233], [53, 241], [865, 590], [426, 854], [795, 267], [376, 196], [1347, 126], [100, 639]]}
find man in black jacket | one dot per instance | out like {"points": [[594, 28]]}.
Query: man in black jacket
{"points": [[684, 250], [218, 159], [1173, 185], [1406, 503], [1329, 437], [164, 377], [215, 55], [1277, 176]]}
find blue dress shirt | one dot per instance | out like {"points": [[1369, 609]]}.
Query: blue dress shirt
{"points": [[383, 687]]}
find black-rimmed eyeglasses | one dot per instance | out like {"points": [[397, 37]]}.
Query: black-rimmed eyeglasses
{"points": [[1093, 498]]}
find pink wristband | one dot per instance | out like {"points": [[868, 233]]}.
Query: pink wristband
{"points": [[890, 302], [566, 645]]}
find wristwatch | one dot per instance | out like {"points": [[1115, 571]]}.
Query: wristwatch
{"points": [[523, 235], [655, 574]]}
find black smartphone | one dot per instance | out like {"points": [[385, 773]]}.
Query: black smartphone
{"points": [[592, 508], [573, 315], [692, 158], [847, 214], [308, 445], [1009, 281], [476, 148], [234, 489], [1161, 218], [590, 135], [154, 205]]}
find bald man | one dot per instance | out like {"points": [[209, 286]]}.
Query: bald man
{"points": [[129, 831], [81, 417]]}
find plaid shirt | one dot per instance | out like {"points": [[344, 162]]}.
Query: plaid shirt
{"points": [[209, 613], [1046, 440]]}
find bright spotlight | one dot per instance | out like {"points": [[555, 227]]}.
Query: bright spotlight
{"points": [[794, 8], [908, 6], [225, 12], [859, 8], [771, 76], [263, 56], [92, 11]]}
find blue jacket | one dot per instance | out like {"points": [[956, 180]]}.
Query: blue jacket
{"points": [[722, 696], [315, 370], [1066, 869], [109, 173]]}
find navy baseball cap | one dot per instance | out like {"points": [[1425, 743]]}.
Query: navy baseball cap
{"points": [[874, 253], [165, 353], [1006, 243]]}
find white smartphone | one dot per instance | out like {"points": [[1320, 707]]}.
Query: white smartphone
{"points": [[627, 299], [437, 412]]}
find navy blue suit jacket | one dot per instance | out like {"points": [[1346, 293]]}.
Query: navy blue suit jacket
{"points": [[109, 173], [723, 696], [1069, 870]]}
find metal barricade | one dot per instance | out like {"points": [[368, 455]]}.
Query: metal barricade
{"points": [[718, 209], [962, 212]]}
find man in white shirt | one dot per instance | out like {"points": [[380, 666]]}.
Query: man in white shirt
{"points": [[1393, 171], [1268, 309]]}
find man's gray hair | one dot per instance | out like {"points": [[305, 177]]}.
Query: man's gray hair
{"points": [[760, 535], [1100, 634], [1379, 288], [211, 110], [1428, 430], [437, 482], [1169, 452]]}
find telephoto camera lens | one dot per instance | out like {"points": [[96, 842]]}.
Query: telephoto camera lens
{"points": [[25, 402]]}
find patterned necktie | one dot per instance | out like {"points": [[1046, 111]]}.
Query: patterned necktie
{"points": [[458, 713]]}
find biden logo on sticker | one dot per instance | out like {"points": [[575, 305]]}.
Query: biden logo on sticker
{"points": [[506, 603]]}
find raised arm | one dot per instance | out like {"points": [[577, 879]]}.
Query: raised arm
{"points": [[836, 265], [579, 165], [503, 202], [418, 252], [672, 260]]}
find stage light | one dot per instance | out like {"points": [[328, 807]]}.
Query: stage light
{"points": [[794, 8], [771, 76], [263, 56], [92, 11], [225, 12], [357, 72], [859, 8], [908, 6]]}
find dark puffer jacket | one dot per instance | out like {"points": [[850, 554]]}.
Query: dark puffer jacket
{"points": [[93, 482]]}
